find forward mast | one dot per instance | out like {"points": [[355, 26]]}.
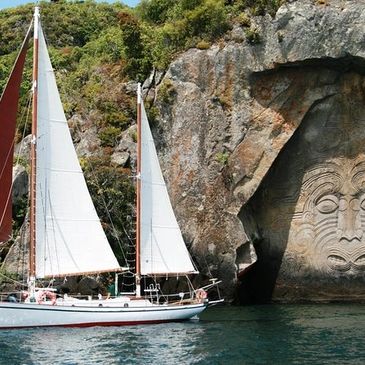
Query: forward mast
{"points": [[33, 151]]}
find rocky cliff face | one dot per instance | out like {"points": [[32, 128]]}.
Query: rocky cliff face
{"points": [[263, 151]]}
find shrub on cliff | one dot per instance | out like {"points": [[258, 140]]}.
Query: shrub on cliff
{"points": [[175, 25], [257, 7]]}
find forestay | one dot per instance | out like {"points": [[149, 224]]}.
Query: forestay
{"points": [[163, 250], [69, 236]]}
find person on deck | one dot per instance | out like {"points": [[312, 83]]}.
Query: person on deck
{"points": [[111, 289]]}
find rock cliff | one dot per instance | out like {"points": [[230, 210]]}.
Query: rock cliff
{"points": [[262, 146]]}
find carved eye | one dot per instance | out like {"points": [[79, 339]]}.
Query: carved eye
{"points": [[327, 204], [362, 205]]}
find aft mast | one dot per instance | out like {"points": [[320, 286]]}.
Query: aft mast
{"points": [[33, 153], [138, 190]]}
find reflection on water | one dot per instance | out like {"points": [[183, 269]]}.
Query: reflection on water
{"points": [[310, 334]]}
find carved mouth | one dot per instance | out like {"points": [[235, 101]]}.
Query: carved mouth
{"points": [[338, 263], [340, 260]]}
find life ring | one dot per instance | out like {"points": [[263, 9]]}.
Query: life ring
{"points": [[201, 294], [24, 295], [43, 295]]}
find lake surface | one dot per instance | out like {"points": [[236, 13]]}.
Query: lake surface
{"points": [[270, 334]]}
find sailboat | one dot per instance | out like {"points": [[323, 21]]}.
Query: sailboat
{"points": [[66, 236]]}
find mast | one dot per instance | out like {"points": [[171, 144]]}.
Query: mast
{"points": [[138, 218], [33, 151]]}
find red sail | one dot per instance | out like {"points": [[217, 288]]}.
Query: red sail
{"points": [[8, 113]]}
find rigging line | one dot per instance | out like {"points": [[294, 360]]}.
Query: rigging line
{"points": [[56, 253], [23, 252], [25, 115], [27, 112], [191, 259], [47, 241], [62, 238], [105, 205], [190, 284], [207, 266]]}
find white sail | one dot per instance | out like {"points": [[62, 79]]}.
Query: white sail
{"points": [[163, 250], [69, 236]]}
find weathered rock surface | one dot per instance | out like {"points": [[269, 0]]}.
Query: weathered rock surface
{"points": [[84, 134], [125, 153], [242, 127]]}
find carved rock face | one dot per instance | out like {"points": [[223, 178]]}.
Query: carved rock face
{"points": [[310, 209], [329, 221]]}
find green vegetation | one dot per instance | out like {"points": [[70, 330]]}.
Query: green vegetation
{"points": [[252, 35], [90, 42], [109, 136], [203, 44], [166, 91], [20, 206], [112, 190], [257, 7], [173, 25], [222, 157], [244, 20]]}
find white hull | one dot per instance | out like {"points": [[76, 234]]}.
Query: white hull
{"points": [[21, 315]]}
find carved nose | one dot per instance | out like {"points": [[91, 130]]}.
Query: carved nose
{"points": [[349, 223], [351, 235]]}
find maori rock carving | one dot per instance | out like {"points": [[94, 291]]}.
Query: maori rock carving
{"points": [[330, 216], [310, 208]]}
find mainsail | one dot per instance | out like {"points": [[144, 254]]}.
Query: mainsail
{"points": [[8, 111], [163, 250], [69, 236]]}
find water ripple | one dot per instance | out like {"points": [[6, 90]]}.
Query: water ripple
{"points": [[275, 334]]}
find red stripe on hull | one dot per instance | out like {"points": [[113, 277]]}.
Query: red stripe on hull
{"points": [[99, 324]]}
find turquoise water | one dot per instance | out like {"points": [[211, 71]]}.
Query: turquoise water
{"points": [[272, 334]]}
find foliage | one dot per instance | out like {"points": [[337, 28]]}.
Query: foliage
{"points": [[7, 277], [166, 91], [109, 136], [108, 47], [203, 45], [22, 161], [222, 157], [20, 206], [14, 19], [112, 190], [175, 25], [257, 7], [156, 11], [75, 23], [138, 58], [252, 35], [133, 134], [244, 20]]}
